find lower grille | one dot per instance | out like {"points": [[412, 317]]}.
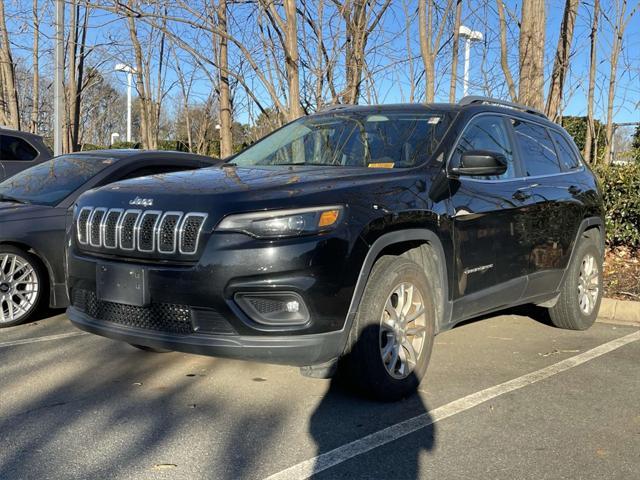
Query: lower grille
{"points": [[160, 317]]}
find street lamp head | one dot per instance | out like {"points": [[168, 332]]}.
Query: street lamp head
{"points": [[472, 35], [121, 67]]}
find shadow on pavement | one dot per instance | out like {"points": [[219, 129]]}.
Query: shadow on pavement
{"points": [[347, 419]]}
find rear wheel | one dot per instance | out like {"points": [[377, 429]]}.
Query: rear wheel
{"points": [[581, 294], [22, 281], [392, 335]]}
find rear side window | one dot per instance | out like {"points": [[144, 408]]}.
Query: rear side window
{"points": [[537, 149], [568, 158], [15, 148], [488, 133]]}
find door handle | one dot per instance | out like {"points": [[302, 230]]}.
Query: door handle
{"points": [[521, 195], [573, 190]]}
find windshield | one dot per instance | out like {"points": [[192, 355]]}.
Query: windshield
{"points": [[382, 140], [50, 182]]}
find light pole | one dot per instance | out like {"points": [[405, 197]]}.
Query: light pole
{"points": [[121, 67], [469, 36], [114, 135]]}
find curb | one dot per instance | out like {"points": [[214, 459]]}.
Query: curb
{"points": [[619, 311]]}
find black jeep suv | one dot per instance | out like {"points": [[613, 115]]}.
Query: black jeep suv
{"points": [[347, 237]]}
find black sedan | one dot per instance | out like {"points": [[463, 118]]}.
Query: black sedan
{"points": [[35, 210]]}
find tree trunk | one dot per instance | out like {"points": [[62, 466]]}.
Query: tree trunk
{"points": [[226, 139], [292, 58], [532, 44], [590, 135], [12, 113], [561, 62], [504, 59], [454, 52], [425, 21]]}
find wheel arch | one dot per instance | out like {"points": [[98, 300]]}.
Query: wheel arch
{"points": [[420, 245], [590, 227]]}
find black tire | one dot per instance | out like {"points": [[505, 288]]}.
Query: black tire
{"points": [[149, 349], [363, 366], [42, 286], [567, 313]]}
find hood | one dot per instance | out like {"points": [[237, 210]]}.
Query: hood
{"points": [[234, 188], [20, 211]]}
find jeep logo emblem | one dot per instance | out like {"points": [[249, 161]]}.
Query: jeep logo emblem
{"points": [[141, 202]]}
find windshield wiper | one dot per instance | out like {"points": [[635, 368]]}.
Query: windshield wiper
{"points": [[9, 198]]}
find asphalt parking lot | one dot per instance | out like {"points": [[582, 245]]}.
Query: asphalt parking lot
{"points": [[506, 397]]}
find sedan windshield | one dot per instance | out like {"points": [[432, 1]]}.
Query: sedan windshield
{"points": [[380, 140], [50, 182]]}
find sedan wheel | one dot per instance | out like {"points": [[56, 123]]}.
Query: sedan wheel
{"points": [[19, 288]]}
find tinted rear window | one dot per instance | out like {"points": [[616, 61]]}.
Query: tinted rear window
{"points": [[537, 149], [16, 149], [568, 158]]}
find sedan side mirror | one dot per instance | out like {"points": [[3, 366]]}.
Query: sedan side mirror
{"points": [[480, 162]]}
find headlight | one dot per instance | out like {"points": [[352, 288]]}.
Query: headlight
{"points": [[284, 223]]}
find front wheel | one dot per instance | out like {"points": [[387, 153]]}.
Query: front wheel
{"points": [[581, 294], [21, 285], [392, 335]]}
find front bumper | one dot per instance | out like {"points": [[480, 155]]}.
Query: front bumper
{"points": [[193, 308], [297, 350]]}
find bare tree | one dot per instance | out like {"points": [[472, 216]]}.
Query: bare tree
{"points": [[360, 18], [10, 111], [591, 134], [561, 62], [504, 59], [226, 140], [621, 21], [430, 44], [531, 51]]}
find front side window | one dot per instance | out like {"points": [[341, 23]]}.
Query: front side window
{"points": [[15, 148], [568, 157], [384, 140], [50, 182], [487, 133], [538, 153]]}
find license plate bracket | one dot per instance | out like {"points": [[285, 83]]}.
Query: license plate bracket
{"points": [[122, 284]]}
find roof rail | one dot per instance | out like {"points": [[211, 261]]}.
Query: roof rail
{"points": [[334, 106], [473, 99]]}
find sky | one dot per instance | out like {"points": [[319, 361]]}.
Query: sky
{"points": [[394, 87]]}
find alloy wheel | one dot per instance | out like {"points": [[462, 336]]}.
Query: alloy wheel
{"points": [[588, 284], [19, 287], [402, 330]]}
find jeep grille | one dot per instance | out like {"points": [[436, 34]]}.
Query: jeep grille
{"points": [[135, 230]]}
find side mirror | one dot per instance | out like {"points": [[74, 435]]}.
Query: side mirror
{"points": [[480, 162]]}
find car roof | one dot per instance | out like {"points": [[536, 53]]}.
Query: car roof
{"points": [[472, 109], [4, 130]]}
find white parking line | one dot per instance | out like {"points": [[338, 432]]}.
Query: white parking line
{"points": [[350, 450], [25, 341]]}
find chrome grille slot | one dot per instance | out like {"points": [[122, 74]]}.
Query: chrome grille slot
{"points": [[109, 228], [135, 230], [126, 230], [146, 230], [190, 232], [168, 231], [81, 226], [95, 222]]}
